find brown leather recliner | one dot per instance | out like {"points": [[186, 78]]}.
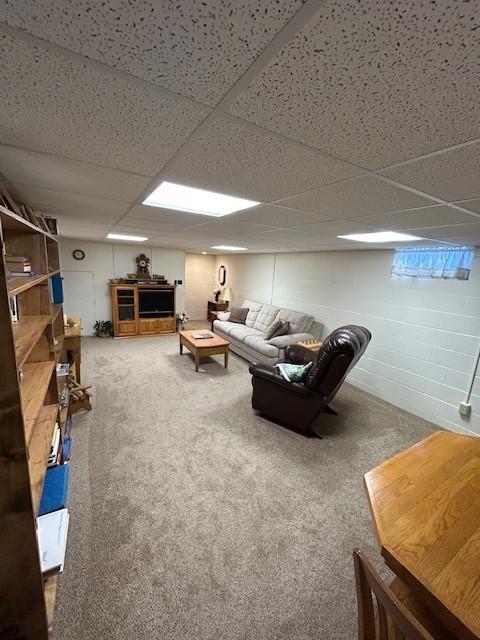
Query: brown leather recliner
{"points": [[298, 404]]}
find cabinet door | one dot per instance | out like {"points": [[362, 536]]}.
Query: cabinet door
{"points": [[147, 326], [165, 325], [126, 328], [124, 311]]}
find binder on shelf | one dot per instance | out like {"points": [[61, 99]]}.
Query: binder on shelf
{"points": [[55, 489], [52, 529], [56, 288]]}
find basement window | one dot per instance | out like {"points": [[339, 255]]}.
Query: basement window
{"points": [[434, 262]]}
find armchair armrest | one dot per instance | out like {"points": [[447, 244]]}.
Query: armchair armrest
{"points": [[296, 354], [268, 373]]}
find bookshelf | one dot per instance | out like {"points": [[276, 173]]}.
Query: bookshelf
{"points": [[29, 409]]}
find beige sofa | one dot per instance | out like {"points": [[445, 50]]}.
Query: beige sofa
{"points": [[248, 340]]}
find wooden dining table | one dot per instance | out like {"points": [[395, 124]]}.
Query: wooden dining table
{"points": [[425, 504]]}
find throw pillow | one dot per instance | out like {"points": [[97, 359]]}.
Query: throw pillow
{"points": [[270, 332], [223, 315], [294, 372], [282, 330], [238, 315]]}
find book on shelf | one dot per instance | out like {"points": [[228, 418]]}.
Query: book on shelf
{"points": [[55, 489], [17, 264], [53, 456], [52, 530], [14, 309], [63, 368], [66, 449]]}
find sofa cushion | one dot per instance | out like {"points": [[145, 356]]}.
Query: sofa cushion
{"points": [[240, 332], [266, 316], [283, 329], [224, 326], [238, 314], [223, 315], [299, 322], [291, 338], [259, 343], [272, 329], [253, 310]]}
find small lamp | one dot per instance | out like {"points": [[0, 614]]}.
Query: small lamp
{"points": [[227, 296]]}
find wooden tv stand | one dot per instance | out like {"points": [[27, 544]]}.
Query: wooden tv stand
{"points": [[135, 310]]}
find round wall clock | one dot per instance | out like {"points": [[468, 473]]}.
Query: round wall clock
{"points": [[78, 254]]}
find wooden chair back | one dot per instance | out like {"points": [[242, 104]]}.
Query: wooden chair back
{"points": [[383, 617]]}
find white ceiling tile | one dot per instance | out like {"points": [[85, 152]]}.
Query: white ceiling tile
{"points": [[470, 240], [326, 231], [170, 216], [375, 82], [452, 175], [418, 218], [54, 172], [230, 157], [74, 206], [225, 229], [276, 216], [194, 48], [54, 103], [441, 233], [353, 198], [471, 205]]}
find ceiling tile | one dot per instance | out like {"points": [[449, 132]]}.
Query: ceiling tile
{"points": [[54, 172], [238, 159], [472, 205], [418, 218], [167, 216], [452, 175], [226, 228], [276, 216], [326, 231], [463, 230], [354, 198], [56, 104], [194, 48], [375, 82], [73, 206]]}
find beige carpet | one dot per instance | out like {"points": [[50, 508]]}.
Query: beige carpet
{"points": [[194, 518]]}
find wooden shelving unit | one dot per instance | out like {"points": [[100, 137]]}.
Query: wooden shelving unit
{"points": [[29, 409]]}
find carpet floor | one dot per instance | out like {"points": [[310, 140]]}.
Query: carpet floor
{"points": [[194, 518]]}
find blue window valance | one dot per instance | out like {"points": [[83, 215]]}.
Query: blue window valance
{"points": [[434, 262]]}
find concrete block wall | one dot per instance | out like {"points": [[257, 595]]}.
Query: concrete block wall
{"points": [[426, 333]]}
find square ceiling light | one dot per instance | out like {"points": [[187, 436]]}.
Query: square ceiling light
{"points": [[128, 238], [170, 195], [228, 247], [380, 236]]}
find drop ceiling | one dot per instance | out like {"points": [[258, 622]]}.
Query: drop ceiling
{"points": [[339, 117]]}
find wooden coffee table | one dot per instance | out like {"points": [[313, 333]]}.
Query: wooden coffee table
{"points": [[203, 346]]}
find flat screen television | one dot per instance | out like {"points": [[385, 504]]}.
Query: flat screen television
{"points": [[155, 303]]}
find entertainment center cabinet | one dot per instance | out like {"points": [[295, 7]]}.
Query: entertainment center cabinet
{"points": [[143, 309]]}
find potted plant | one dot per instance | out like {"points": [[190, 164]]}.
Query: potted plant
{"points": [[182, 319], [103, 328]]}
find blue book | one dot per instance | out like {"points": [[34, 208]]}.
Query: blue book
{"points": [[67, 445], [55, 489]]}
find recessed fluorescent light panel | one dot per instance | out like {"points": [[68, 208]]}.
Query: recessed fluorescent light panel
{"points": [[380, 236], [227, 247], [121, 236], [170, 195]]}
